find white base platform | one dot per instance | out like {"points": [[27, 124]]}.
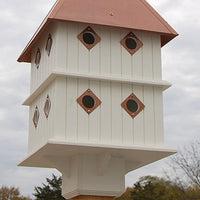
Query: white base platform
{"points": [[89, 169]]}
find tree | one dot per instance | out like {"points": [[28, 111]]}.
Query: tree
{"points": [[50, 191], [11, 193], [187, 164], [154, 188]]}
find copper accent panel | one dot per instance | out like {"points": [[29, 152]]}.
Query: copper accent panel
{"points": [[37, 58], [97, 101], [131, 35], [137, 14], [49, 44], [47, 106], [36, 116], [141, 106], [130, 14], [89, 30]]}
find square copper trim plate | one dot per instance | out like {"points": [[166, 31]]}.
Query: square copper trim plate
{"points": [[133, 37], [132, 105], [89, 30], [89, 101]]}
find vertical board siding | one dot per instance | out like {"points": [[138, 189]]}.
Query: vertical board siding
{"points": [[116, 53], [39, 136], [126, 59], [106, 113], [94, 117], [157, 68], [138, 122], [116, 113], [33, 72], [47, 62], [31, 141], [105, 51], [127, 121], [94, 57], [149, 116], [83, 53], [137, 62], [61, 47], [109, 123], [108, 57], [60, 108], [72, 46], [158, 112], [83, 118], [71, 109], [147, 56]]}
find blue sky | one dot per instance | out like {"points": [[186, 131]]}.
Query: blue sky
{"points": [[19, 19]]}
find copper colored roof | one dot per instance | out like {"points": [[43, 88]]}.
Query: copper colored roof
{"points": [[131, 14]]}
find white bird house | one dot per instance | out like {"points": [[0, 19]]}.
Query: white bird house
{"points": [[96, 105]]}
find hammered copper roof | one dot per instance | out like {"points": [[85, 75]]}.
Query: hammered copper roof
{"points": [[131, 14]]}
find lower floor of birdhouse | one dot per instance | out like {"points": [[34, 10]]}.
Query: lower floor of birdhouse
{"points": [[96, 112]]}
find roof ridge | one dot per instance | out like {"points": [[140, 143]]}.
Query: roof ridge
{"points": [[144, 18]]}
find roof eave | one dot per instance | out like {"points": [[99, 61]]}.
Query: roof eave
{"points": [[26, 54]]}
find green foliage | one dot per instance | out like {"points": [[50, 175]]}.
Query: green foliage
{"points": [[154, 188], [51, 190], [192, 193], [126, 195], [11, 193]]}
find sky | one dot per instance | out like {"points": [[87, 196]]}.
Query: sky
{"points": [[19, 19]]}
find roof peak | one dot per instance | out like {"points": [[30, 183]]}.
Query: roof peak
{"points": [[131, 14]]}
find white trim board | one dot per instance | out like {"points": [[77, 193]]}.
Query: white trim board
{"points": [[142, 155], [155, 83]]}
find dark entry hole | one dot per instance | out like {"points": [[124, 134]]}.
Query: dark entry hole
{"points": [[88, 38], [88, 101], [131, 43], [132, 105]]}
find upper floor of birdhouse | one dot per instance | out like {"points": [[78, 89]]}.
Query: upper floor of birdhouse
{"points": [[99, 39]]}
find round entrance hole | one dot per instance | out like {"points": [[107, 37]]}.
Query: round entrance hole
{"points": [[131, 43], [88, 38], [132, 105], [88, 101]]}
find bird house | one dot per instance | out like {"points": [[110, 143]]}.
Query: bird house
{"points": [[96, 103]]}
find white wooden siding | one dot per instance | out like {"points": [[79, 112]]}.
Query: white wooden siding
{"points": [[45, 128], [108, 57], [47, 63], [107, 124]]}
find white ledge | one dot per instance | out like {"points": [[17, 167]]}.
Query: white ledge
{"points": [[155, 83], [141, 155]]}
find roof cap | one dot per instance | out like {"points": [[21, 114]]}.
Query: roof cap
{"points": [[131, 14]]}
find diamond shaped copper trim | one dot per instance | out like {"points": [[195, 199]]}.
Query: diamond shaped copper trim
{"points": [[89, 93], [47, 106], [89, 30], [140, 105], [49, 44], [138, 42], [36, 117], [37, 58]]}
